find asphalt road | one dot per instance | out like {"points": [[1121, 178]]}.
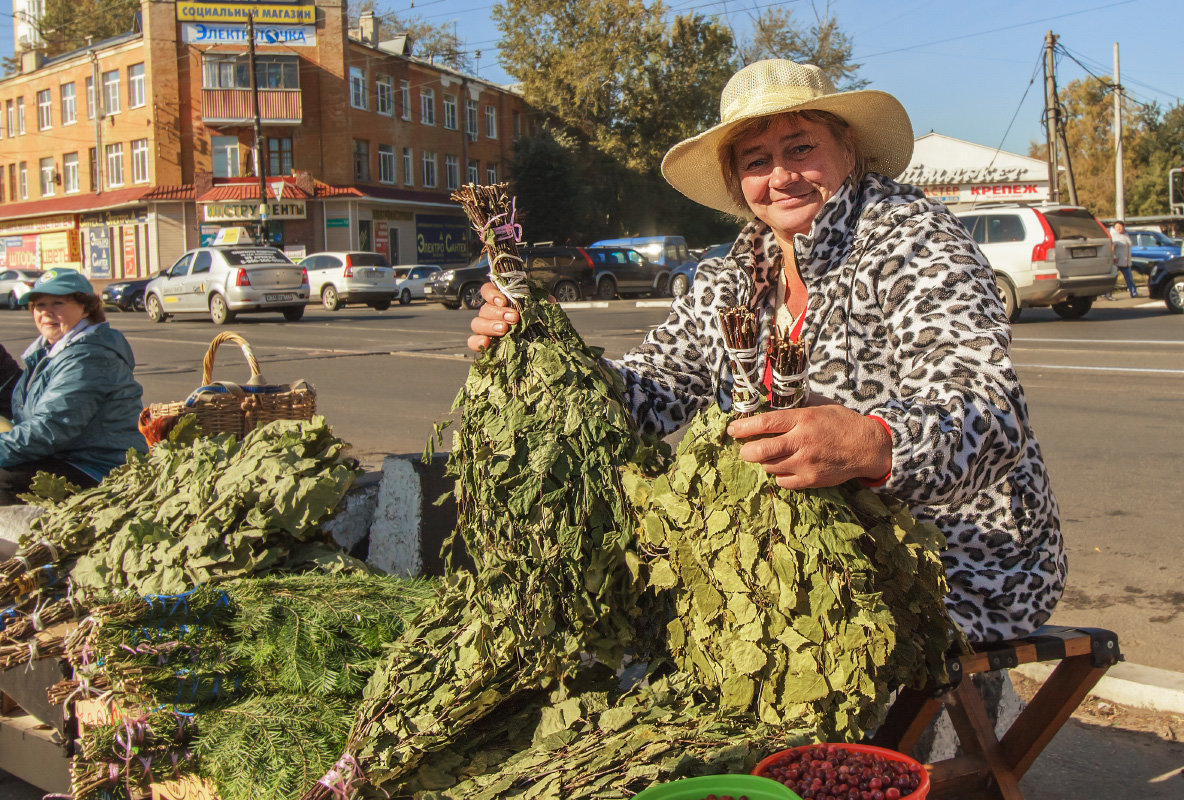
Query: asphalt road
{"points": [[1106, 396]]}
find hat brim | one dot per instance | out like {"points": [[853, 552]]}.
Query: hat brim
{"points": [[881, 127]]}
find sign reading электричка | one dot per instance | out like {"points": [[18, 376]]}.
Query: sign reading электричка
{"points": [[241, 12]]}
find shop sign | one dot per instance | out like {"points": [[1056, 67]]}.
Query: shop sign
{"points": [[20, 252], [440, 238], [390, 215], [241, 12], [61, 222], [59, 249], [130, 216], [337, 222], [129, 251], [295, 251], [249, 209], [1023, 191], [215, 33], [951, 194], [382, 239], [99, 251]]}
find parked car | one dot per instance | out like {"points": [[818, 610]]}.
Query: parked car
{"points": [[225, 281], [10, 279], [1149, 247], [565, 272], [670, 252], [684, 274], [623, 270], [350, 277], [410, 280], [1048, 255], [125, 295], [1166, 282]]}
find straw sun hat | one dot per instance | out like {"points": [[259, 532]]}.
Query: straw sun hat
{"points": [[879, 124]]}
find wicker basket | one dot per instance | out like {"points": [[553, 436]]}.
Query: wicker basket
{"points": [[225, 407]]}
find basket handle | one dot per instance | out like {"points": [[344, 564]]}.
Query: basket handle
{"points": [[207, 364]]}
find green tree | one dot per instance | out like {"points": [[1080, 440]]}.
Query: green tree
{"points": [[66, 24], [549, 187], [823, 44]]}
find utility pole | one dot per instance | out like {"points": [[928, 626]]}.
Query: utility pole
{"points": [[1119, 193], [259, 141], [1050, 118], [97, 98]]}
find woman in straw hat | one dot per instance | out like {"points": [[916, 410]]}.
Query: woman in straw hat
{"points": [[907, 339]]}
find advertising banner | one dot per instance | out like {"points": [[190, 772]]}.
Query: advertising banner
{"points": [[441, 239], [241, 12], [59, 249], [21, 252], [60, 222], [382, 240], [236, 211], [216, 33], [129, 251], [98, 245]]}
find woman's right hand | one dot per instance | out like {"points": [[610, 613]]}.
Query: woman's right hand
{"points": [[493, 319]]}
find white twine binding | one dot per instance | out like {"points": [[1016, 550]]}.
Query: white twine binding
{"points": [[746, 374], [511, 283], [796, 387], [53, 551]]}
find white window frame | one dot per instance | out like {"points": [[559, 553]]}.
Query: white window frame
{"points": [[357, 88], [113, 160], [233, 164], [384, 91], [111, 99], [405, 99], [450, 112], [471, 119], [44, 109], [69, 103], [20, 116], [46, 171], [451, 173], [473, 171], [22, 176], [136, 94], [140, 161], [491, 173], [429, 170], [408, 167], [490, 122], [427, 106], [90, 98], [361, 157], [70, 183], [386, 164], [10, 112]]}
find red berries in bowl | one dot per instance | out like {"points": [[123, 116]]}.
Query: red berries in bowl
{"points": [[847, 772]]}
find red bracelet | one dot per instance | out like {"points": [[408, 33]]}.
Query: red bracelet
{"points": [[868, 482]]}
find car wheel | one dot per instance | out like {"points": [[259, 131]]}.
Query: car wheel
{"points": [[679, 285], [138, 302], [220, 313], [566, 292], [13, 303], [470, 296], [330, 299], [294, 313], [382, 305], [1074, 308], [606, 289], [405, 297], [1010, 306], [1173, 297], [155, 310], [663, 289]]}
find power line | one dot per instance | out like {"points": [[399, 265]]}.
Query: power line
{"points": [[1028, 88]]}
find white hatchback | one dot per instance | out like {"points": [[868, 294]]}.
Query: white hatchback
{"points": [[354, 276], [410, 280]]}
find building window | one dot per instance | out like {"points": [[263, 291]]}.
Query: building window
{"points": [[10, 112], [44, 110], [386, 163], [115, 164], [408, 167], [93, 155], [12, 181], [279, 155], [452, 172], [405, 99], [111, 92], [20, 115], [69, 111], [135, 86], [225, 155], [70, 173], [491, 173], [22, 180], [429, 170], [471, 119], [427, 106], [517, 126], [140, 161], [357, 88], [277, 72], [384, 90], [47, 176], [473, 172], [490, 122], [450, 112], [90, 98], [361, 160], [225, 71]]}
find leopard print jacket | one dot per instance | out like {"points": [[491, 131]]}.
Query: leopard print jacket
{"points": [[903, 321]]}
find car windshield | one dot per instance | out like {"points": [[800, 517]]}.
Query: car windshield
{"points": [[249, 256], [1073, 223], [368, 260]]}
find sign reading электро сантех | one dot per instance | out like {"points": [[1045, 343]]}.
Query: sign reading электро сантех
{"points": [[272, 12]]}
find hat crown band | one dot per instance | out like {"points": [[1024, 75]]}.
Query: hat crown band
{"points": [[770, 101]]}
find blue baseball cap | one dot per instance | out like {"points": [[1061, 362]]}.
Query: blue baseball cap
{"points": [[59, 282]]}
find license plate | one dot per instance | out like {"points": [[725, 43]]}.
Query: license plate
{"points": [[276, 298], [1083, 252]]}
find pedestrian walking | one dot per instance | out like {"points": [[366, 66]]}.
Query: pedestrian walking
{"points": [[1122, 256]]}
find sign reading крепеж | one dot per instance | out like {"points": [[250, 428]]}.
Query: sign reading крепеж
{"points": [[241, 12]]}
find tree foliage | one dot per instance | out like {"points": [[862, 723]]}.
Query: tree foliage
{"points": [[66, 24], [437, 43], [823, 44]]}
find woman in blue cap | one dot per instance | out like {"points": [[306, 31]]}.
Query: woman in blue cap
{"points": [[75, 405]]}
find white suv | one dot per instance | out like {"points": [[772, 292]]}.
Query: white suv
{"points": [[354, 276], [1047, 255]]}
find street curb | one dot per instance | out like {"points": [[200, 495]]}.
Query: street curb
{"points": [[1129, 685], [584, 304], [652, 303]]}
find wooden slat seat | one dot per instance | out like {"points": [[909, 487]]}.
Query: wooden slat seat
{"points": [[991, 767]]}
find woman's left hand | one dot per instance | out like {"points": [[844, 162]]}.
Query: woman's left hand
{"points": [[823, 444]]}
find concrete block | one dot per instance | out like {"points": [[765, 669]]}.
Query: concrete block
{"points": [[1129, 685], [14, 523], [354, 516], [394, 534]]}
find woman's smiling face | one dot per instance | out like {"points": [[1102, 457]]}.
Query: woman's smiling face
{"points": [[788, 171], [56, 315]]}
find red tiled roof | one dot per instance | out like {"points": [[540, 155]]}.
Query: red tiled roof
{"points": [[326, 190], [250, 191], [74, 203], [182, 192]]}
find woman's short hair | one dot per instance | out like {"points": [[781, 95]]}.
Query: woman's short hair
{"points": [[836, 125], [91, 304]]}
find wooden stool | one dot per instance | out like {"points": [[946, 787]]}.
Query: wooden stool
{"points": [[992, 767]]}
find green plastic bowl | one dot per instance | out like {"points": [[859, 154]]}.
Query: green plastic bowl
{"points": [[752, 786]]}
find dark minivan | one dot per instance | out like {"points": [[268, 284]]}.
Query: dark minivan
{"points": [[623, 270], [565, 272]]}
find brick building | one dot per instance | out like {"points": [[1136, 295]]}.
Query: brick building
{"points": [[117, 158]]}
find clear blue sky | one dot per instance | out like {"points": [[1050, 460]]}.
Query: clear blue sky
{"points": [[960, 67]]}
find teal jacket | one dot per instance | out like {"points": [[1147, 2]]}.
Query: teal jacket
{"points": [[82, 406]]}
